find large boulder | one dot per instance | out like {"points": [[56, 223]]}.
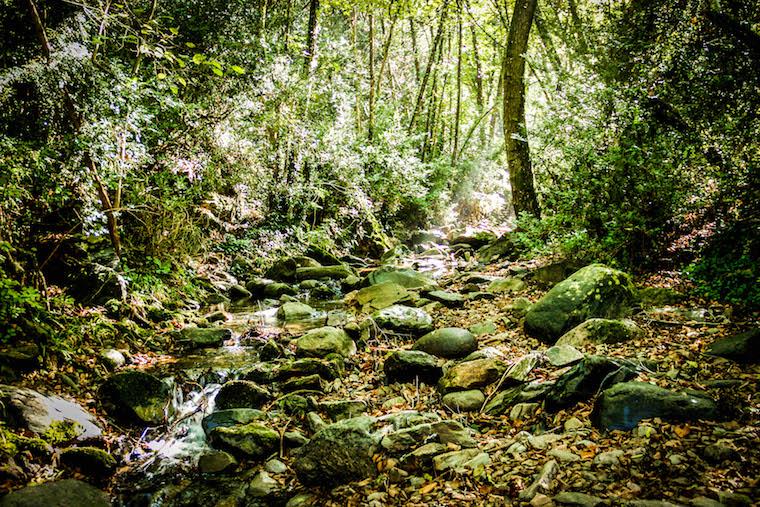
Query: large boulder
{"points": [[293, 310], [379, 296], [407, 278], [200, 337], [464, 401], [241, 394], [136, 397], [593, 291], [253, 440], [742, 347], [585, 379], [409, 365], [338, 453], [472, 375], [448, 342], [596, 331], [622, 406], [403, 319], [231, 417], [323, 341], [446, 298], [285, 269], [30, 410], [338, 272], [90, 461], [66, 493]]}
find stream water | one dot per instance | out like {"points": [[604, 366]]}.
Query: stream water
{"points": [[165, 455]]}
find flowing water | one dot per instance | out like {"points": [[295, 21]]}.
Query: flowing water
{"points": [[164, 454]]}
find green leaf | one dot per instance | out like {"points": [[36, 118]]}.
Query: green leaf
{"points": [[174, 89], [181, 80], [190, 45], [237, 69], [174, 31], [161, 76], [217, 71], [198, 58]]}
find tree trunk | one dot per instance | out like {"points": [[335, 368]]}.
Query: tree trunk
{"points": [[431, 60], [371, 119], [458, 110], [311, 37], [515, 133]]}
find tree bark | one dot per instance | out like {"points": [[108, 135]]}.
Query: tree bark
{"points": [[431, 60], [515, 133], [311, 37], [458, 110], [371, 119]]}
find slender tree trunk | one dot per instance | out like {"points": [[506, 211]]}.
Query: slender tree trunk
{"points": [[515, 133], [386, 53], [371, 119], [413, 34], [479, 99], [311, 37], [357, 63], [546, 40], [286, 32], [458, 110], [426, 76]]}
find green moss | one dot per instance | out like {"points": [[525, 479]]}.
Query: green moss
{"points": [[62, 431], [11, 444]]}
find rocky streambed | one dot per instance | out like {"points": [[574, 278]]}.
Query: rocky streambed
{"points": [[453, 377]]}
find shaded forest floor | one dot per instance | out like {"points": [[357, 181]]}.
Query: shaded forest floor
{"points": [[560, 457]]}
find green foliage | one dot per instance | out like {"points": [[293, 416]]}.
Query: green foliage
{"points": [[729, 267]]}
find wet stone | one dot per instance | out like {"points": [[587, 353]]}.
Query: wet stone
{"points": [[213, 462], [241, 394]]}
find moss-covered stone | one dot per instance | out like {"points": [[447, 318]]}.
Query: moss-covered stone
{"points": [[410, 365], [90, 461], [323, 341], [595, 291], [596, 331], [339, 453], [447, 342], [623, 405], [135, 396], [241, 394], [472, 375], [68, 492], [253, 440]]}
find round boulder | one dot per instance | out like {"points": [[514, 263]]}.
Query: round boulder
{"points": [[323, 341], [448, 342]]}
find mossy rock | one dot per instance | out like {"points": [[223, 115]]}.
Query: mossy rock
{"points": [[410, 365], [339, 453], [231, 417], [596, 331], [253, 440], [241, 394], [622, 406], [595, 291], [324, 341], [447, 342], [66, 493], [407, 278], [90, 461], [136, 397]]}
